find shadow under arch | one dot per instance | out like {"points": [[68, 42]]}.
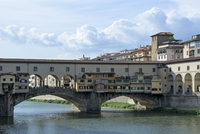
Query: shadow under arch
{"points": [[146, 100]]}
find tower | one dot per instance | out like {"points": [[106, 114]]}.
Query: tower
{"points": [[157, 39]]}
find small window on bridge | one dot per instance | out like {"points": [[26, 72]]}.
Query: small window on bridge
{"points": [[179, 68], [17, 68], [97, 69], [81, 80], [140, 70], [51, 69], [112, 69], [4, 79], [67, 69], [11, 79], [197, 67], [82, 69], [35, 69], [154, 70], [1, 68], [188, 67], [126, 69]]}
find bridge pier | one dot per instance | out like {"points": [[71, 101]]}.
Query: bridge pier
{"points": [[6, 104]]}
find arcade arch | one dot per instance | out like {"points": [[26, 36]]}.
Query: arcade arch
{"points": [[51, 81], [179, 88], [35, 81], [170, 85], [188, 83], [197, 82], [67, 81]]}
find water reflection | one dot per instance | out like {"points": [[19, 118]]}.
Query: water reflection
{"points": [[32, 117]]}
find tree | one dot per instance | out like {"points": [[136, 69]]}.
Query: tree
{"points": [[171, 39]]}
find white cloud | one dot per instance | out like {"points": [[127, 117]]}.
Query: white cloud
{"points": [[122, 34]]}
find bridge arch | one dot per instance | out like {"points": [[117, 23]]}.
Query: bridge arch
{"points": [[188, 83], [147, 100], [18, 98], [197, 82]]}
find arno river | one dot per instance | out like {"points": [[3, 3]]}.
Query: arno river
{"points": [[45, 118]]}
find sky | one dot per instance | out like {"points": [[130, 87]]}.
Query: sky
{"points": [[69, 29]]}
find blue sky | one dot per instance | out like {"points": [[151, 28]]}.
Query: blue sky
{"points": [[67, 29]]}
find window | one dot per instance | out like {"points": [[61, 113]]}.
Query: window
{"points": [[111, 81], [140, 70], [11, 79], [89, 74], [51, 69], [33, 77], [17, 68], [80, 87], [140, 81], [126, 80], [104, 75], [110, 75], [35, 69], [159, 89], [89, 80], [198, 67], [81, 80], [97, 69], [118, 80], [192, 44], [165, 85], [198, 51], [67, 69], [197, 43], [82, 69], [97, 80], [179, 68], [96, 75], [165, 77], [4, 79], [126, 69], [154, 70], [112, 69], [160, 83], [23, 81], [104, 81], [1, 68], [188, 67]]}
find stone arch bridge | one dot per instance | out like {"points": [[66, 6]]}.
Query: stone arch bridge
{"points": [[84, 101]]}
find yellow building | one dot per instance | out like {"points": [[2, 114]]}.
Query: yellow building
{"points": [[141, 54], [85, 83], [7, 83], [111, 82]]}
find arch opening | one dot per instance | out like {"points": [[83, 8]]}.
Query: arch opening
{"points": [[179, 83], [67, 81], [170, 85], [188, 84], [143, 101], [197, 82], [51, 81], [35, 81]]}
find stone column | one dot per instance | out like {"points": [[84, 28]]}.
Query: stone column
{"points": [[193, 86], [174, 80], [183, 86]]}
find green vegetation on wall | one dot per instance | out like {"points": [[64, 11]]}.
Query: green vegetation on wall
{"points": [[51, 101]]}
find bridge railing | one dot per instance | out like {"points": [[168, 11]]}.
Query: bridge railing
{"points": [[49, 90]]}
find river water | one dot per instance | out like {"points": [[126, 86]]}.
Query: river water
{"points": [[45, 118]]}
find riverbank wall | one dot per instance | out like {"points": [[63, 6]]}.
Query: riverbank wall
{"points": [[180, 101]]}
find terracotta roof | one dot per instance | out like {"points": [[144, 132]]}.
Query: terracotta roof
{"points": [[198, 39], [163, 34], [182, 60]]}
